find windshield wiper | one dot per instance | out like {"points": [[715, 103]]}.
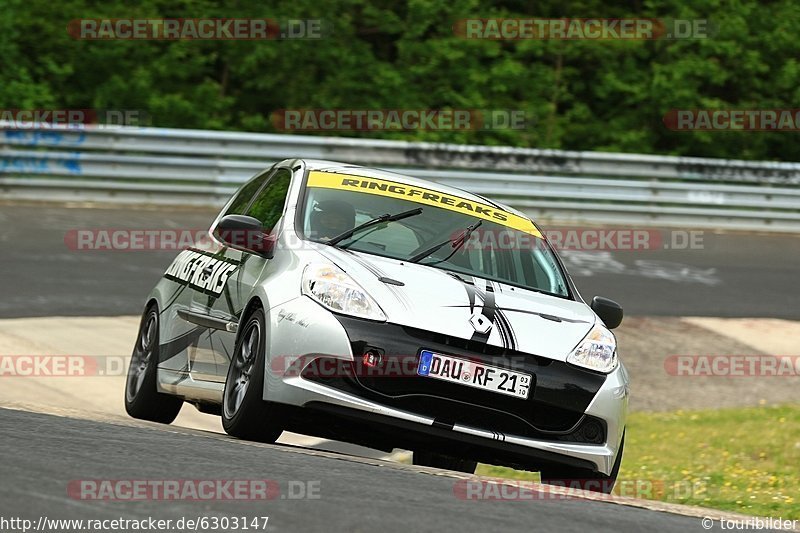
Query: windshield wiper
{"points": [[369, 223], [456, 243]]}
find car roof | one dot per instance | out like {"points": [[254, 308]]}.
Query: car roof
{"points": [[368, 172]]}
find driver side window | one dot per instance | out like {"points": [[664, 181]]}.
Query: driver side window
{"points": [[268, 204], [245, 194]]}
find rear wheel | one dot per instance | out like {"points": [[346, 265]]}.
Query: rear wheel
{"points": [[579, 478], [142, 399], [245, 414], [437, 460]]}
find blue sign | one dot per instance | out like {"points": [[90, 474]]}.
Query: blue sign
{"points": [[425, 360]]}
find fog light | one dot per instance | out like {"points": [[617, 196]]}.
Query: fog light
{"points": [[592, 431], [372, 358]]}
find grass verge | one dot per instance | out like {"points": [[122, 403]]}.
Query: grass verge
{"points": [[743, 460]]}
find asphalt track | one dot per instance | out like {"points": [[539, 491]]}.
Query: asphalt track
{"points": [[42, 454], [731, 275]]}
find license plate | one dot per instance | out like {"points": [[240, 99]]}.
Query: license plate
{"points": [[473, 374]]}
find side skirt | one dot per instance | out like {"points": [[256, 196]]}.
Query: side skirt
{"points": [[180, 383]]}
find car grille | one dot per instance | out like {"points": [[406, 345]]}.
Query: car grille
{"points": [[554, 409]]}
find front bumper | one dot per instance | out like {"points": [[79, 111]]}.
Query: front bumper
{"points": [[409, 412]]}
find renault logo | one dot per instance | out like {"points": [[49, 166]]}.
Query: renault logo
{"points": [[480, 323]]}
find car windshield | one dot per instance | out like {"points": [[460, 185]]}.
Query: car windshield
{"points": [[504, 247]]}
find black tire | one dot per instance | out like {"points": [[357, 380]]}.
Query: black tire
{"points": [[423, 458], [142, 399], [245, 414], [579, 478]]}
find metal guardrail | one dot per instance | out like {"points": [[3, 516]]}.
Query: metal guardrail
{"points": [[175, 166]]}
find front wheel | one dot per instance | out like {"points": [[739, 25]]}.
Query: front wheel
{"points": [[579, 478], [423, 458], [142, 399], [245, 414]]}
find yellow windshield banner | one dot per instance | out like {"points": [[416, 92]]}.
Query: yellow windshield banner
{"points": [[421, 195]]}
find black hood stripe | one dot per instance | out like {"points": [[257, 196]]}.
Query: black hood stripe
{"points": [[469, 286], [488, 310], [502, 327], [493, 314], [505, 326]]}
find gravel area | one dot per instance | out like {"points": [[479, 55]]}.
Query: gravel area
{"points": [[646, 343]]}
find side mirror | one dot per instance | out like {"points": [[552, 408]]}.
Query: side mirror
{"points": [[245, 233], [609, 311]]}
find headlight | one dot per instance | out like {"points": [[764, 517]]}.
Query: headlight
{"points": [[335, 290], [597, 351]]}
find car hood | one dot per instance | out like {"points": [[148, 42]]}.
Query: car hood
{"points": [[459, 305]]}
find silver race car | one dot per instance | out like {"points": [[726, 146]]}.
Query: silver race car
{"points": [[375, 308]]}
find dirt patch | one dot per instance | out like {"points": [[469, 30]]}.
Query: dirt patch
{"points": [[645, 343]]}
